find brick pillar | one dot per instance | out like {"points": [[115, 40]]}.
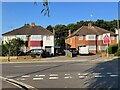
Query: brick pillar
{"points": [[28, 42]]}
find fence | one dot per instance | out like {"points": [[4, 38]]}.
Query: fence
{"points": [[68, 53]]}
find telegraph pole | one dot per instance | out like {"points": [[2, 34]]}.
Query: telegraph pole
{"points": [[118, 26]]}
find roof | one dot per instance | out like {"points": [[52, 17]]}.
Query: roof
{"points": [[29, 30], [91, 30]]}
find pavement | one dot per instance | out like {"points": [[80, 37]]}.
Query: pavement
{"points": [[61, 59]]}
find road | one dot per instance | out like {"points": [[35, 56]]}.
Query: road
{"points": [[87, 74]]}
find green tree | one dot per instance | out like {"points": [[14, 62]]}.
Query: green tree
{"points": [[12, 47], [72, 27], [61, 32], [50, 28]]}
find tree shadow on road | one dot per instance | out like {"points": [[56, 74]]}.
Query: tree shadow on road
{"points": [[104, 75]]}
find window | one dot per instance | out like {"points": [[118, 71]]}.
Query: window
{"points": [[90, 37], [36, 37], [23, 37], [102, 47], [80, 37], [112, 37], [92, 47], [100, 37], [47, 37], [70, 40]]}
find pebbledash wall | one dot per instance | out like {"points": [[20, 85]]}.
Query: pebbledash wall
{"points": [[34, 42], [93, 42]]}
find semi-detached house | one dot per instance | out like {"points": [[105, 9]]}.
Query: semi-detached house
{"points": [[35, 37], [91, 37]]}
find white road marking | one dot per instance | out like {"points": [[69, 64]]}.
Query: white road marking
{"points": [[67, 77], [109, 73], [79, 73], [67, 74], [39, 75], [96, 73], [37, 78], [85, 74], [14, 81], [34, 65], [81, 77], [52, 78], [113, 75], [26, 76], [53, 75], [97, 76]]}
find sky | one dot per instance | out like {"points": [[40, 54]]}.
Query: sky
{"points": [[16, 14]]}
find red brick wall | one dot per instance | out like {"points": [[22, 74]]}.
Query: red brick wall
{"points": [[76, 42]]}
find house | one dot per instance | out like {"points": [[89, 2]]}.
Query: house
{"points": [[35, 37], [91, 37]]}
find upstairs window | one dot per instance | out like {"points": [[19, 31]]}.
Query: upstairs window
{"points": [[112, 37], [80, 37], [47, 37], [90, 37], [100, 37]]}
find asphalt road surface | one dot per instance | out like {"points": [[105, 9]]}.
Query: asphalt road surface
{"points": [[87, 74]]}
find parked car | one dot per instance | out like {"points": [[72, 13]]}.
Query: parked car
{"points": [[38, 52], [83, 50], [74, 51], [60, 51]]}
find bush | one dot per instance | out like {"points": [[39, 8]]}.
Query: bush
{"points": [[112, 49], [118, 52]]}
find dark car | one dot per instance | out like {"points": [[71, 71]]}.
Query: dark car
{"points": [[60, 51], [74, 51], [38, 52]]}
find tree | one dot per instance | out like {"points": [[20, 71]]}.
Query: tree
{"points": [[50, 28], [72, 27], [13, 47], [61, 32]]}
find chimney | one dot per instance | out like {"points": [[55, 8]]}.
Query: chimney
{"points": [[69, 32], [89, 25], [33, 24]]}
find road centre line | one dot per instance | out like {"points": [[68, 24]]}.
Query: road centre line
{"points": [[52, 78], [113, 75], [39, 75], [81, 77], [53, 75], [66, 74], [67, 77], [37, 78], [25, 76]]}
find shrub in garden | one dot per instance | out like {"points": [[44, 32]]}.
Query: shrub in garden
{"points": [[112, 49], [118, 52]]}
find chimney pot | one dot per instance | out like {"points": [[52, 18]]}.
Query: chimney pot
{"points": [[90, 24], [69, 32], [33, 24]]}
